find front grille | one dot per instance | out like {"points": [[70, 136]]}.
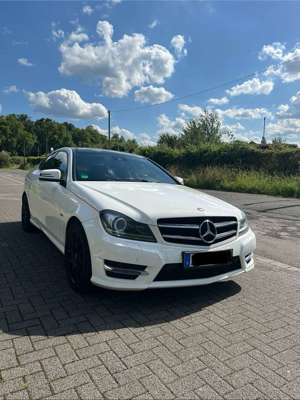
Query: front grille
{"points": [[176, 272], [186, 230]]}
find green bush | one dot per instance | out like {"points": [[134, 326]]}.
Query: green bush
{"points": [[34, 160], [4, 159], [16, 160]]}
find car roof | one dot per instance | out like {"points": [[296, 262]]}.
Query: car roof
{"points": [[93, 149]]}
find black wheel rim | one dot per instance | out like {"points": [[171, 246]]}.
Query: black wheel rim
{"points": [[76, 259]]}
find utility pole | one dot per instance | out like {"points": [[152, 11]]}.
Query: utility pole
{"points": [[263, 143], [109, 127]]}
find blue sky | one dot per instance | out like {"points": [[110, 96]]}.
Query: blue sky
{"points": [[74, 60]]}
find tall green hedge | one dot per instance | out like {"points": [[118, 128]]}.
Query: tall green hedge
{"points": [[285, 161]]}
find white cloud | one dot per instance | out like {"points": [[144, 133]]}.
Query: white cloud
{"points": [[244, 113], [153, 24], [152, 95], [143, 138], [56, 32], [282, 110], [235, 128], [178, 43], [77, 36], [11, 89], [65, 103], [288, 68], [287, 129], [292, 110], [190, 111], [116, 130], [274, 51], [0, 108], [218, 101], [166, 125], [146, 140], [87, 9], [99, 129], [24, 61], [120, 65], [252, 86], [284, 126]]}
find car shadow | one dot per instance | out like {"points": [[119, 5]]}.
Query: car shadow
{"points": [[36, 300]]}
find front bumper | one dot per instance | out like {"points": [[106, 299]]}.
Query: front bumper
{"points": [[154, 256]]}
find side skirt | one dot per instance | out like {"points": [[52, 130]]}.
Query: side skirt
{"points": [[52, 239]]}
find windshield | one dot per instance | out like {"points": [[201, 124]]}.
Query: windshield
{"points": [[110, 166]]}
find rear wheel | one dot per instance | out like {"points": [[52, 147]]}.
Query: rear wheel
{"points": [[78, 259], [25, 216]]}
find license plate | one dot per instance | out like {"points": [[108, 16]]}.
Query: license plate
{"points": [[191, 259]]}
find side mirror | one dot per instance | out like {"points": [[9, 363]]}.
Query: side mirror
{"points": [[50, 175], [179, 180]]}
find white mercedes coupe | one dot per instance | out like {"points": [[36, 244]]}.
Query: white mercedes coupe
{"points": [[124, 222]]}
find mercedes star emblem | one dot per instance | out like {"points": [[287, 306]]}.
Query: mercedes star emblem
{"points": [[208, 231]]}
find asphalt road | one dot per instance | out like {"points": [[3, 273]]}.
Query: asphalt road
{"points": [[232, 340], [276, 222]]}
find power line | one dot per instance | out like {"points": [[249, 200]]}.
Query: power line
{"points": [[174, 99]]}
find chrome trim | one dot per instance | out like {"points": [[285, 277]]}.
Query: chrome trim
{"points": [[185, 226], [125, 271], [226, 223], [194, 226], [224, 234], [219, 235], [183, 237]]}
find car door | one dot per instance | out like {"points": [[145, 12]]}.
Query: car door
{"points": [[54, 196], [35, 191]]}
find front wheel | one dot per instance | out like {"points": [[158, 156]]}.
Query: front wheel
{"points": [[25, 216], [78, 259]]}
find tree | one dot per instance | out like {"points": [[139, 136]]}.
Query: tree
{"points": [[19, 132], [205, 129], [169, 140]]}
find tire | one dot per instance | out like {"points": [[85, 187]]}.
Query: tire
{"points": [[77, 259], [25, 216]]}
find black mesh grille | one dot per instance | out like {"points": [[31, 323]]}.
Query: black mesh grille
{"points": [[176, 272], [186, 230]]}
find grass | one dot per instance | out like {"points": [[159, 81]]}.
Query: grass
{"points": [[235, 180]]}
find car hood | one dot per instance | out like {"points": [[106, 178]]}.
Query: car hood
{"points": [[147, 201]]}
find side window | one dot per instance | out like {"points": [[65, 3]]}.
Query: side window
{"points": [[49, 163], [61, 163]]}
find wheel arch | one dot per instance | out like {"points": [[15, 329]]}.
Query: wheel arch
{"points": [[72, 220]]}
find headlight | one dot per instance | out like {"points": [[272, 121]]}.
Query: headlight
{"points": [[120, 225], [243, 223]]}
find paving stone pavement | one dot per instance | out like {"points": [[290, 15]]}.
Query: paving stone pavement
{"points": [[233, 340]]}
